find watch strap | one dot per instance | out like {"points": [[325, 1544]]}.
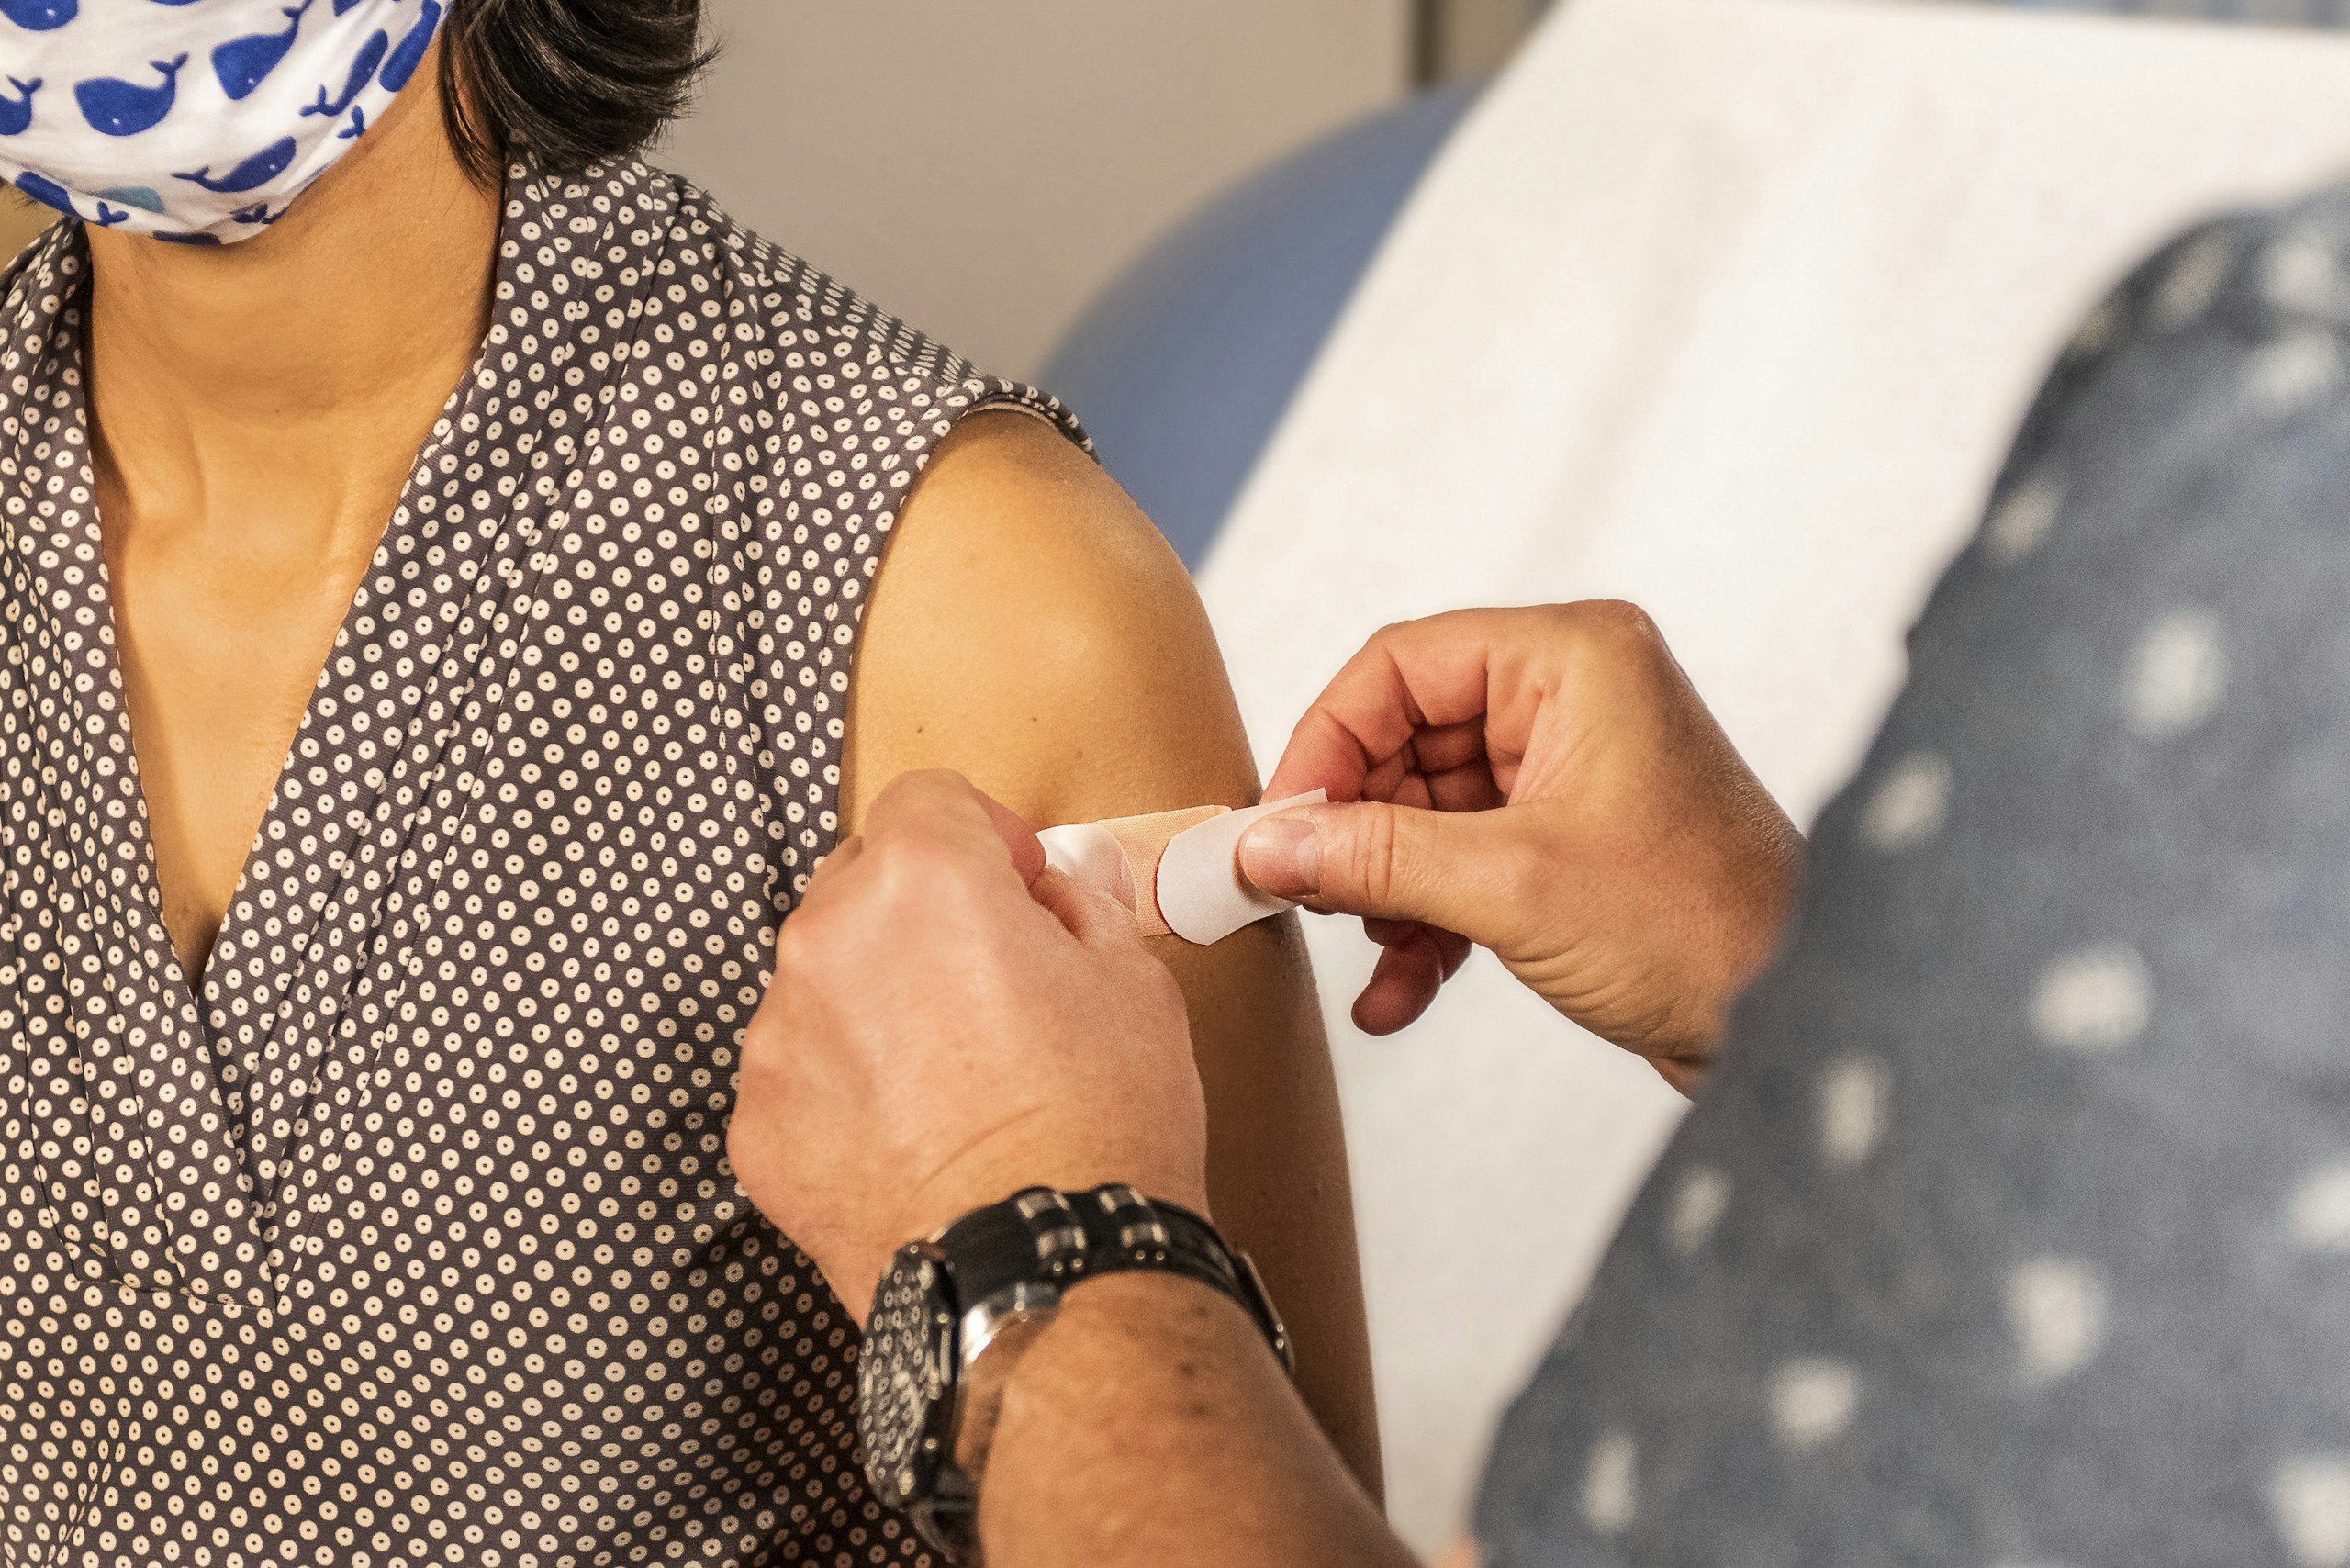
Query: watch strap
{"points": [[1039, 1236]]}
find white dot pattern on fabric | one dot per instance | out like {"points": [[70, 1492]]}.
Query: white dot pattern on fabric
{"points": [[1812, 1400], [2090, 1279], [1852, 1095], [2056, 1307], [2178, 674], [2300, 272], [411, 1235], [2310, 1497], [2095, 999], [2020, 520], [1909, 805], [2193, 281], [2099, 328], [1696, 1207], [2291, 373], [1611, 1498], [2318, 1216]]}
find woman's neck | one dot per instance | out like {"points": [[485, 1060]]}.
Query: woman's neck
{"points": [[276, 391]]}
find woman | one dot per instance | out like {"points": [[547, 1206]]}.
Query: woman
{"points": [[384, 900]]}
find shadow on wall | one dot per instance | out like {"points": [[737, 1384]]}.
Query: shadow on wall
{"points": [[1003, 162], [1182, 368]]}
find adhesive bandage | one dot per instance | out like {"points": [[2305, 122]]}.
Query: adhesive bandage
{"points": [[1179, 871]]}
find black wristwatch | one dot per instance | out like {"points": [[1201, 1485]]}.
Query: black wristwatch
{"points": [[949, 1310]]}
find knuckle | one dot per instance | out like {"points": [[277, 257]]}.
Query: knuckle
{"points": [[766, 1059], [1371, 856], [792, 942], [811, 949], [926, 783], [907, 868], [1617, 625], [1518, 879]]}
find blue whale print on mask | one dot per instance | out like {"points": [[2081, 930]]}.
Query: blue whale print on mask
{"points": [[39, 15], [371, 55], [47, 191], [107, 108], [125, 109], [410, 53], [18, 113], [260, 169], [242, 64], [141, 197]]}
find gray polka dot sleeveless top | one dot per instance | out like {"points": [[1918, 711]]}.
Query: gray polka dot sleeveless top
{"points": [[410, 1237]]}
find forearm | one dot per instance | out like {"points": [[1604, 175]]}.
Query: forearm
{"points": [[1277, 1165], [1150, 1424]]}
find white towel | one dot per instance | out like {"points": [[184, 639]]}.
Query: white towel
{"points": [[1727, 306]]}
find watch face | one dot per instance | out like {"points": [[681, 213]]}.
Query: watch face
{"points": [[902, 1413]]}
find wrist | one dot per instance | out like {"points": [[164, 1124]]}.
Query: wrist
{"points": [[957, 1315], [1677, 1017], [1000, 1166], [1149, 1424], [1109, 1330], [1108, 1318]]}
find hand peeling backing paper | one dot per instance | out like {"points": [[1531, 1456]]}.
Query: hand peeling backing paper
{"points": [[1179, 871]]}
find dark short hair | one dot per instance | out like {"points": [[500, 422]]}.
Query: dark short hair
{"points": [[575, 81]]}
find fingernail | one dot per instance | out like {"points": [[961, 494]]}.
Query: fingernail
{"points": [[1282, 856]]}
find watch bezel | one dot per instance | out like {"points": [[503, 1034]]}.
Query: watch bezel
{"points": [[1022, 1303], [981, 1287], [929, 1450]]}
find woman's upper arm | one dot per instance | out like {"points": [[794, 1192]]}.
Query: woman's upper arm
{"points": [[1031, 629]]}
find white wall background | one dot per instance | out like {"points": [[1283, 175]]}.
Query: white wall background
{"points": [[983, 169]]}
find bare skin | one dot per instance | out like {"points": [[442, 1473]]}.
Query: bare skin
{"points": [[1553, 762], [1031, 629], [1546, 783], [1149, 1424], [255, 410]]}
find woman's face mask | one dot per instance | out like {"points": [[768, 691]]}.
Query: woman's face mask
{"points": [[194, 120]]}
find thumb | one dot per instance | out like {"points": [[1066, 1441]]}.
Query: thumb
{"points": [[1460, 871]]}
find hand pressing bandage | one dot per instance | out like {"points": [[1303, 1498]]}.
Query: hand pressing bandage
{"points": [[1179, 871]]}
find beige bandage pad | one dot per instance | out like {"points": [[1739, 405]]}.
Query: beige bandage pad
{"points": [[1179, 871], [1120, 857]]}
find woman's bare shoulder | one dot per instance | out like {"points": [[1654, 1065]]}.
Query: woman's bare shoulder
{"points": [[1031, 629]]}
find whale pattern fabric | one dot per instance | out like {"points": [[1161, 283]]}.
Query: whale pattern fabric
{"points": [[407, 1234], [194, 120]]}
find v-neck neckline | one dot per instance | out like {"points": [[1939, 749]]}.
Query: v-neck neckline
{"points": [[258, 1095], [197, 999], [200, 988], [441, 573]]}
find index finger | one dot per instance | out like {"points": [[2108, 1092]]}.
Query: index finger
{"points": [[950, 809]]}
